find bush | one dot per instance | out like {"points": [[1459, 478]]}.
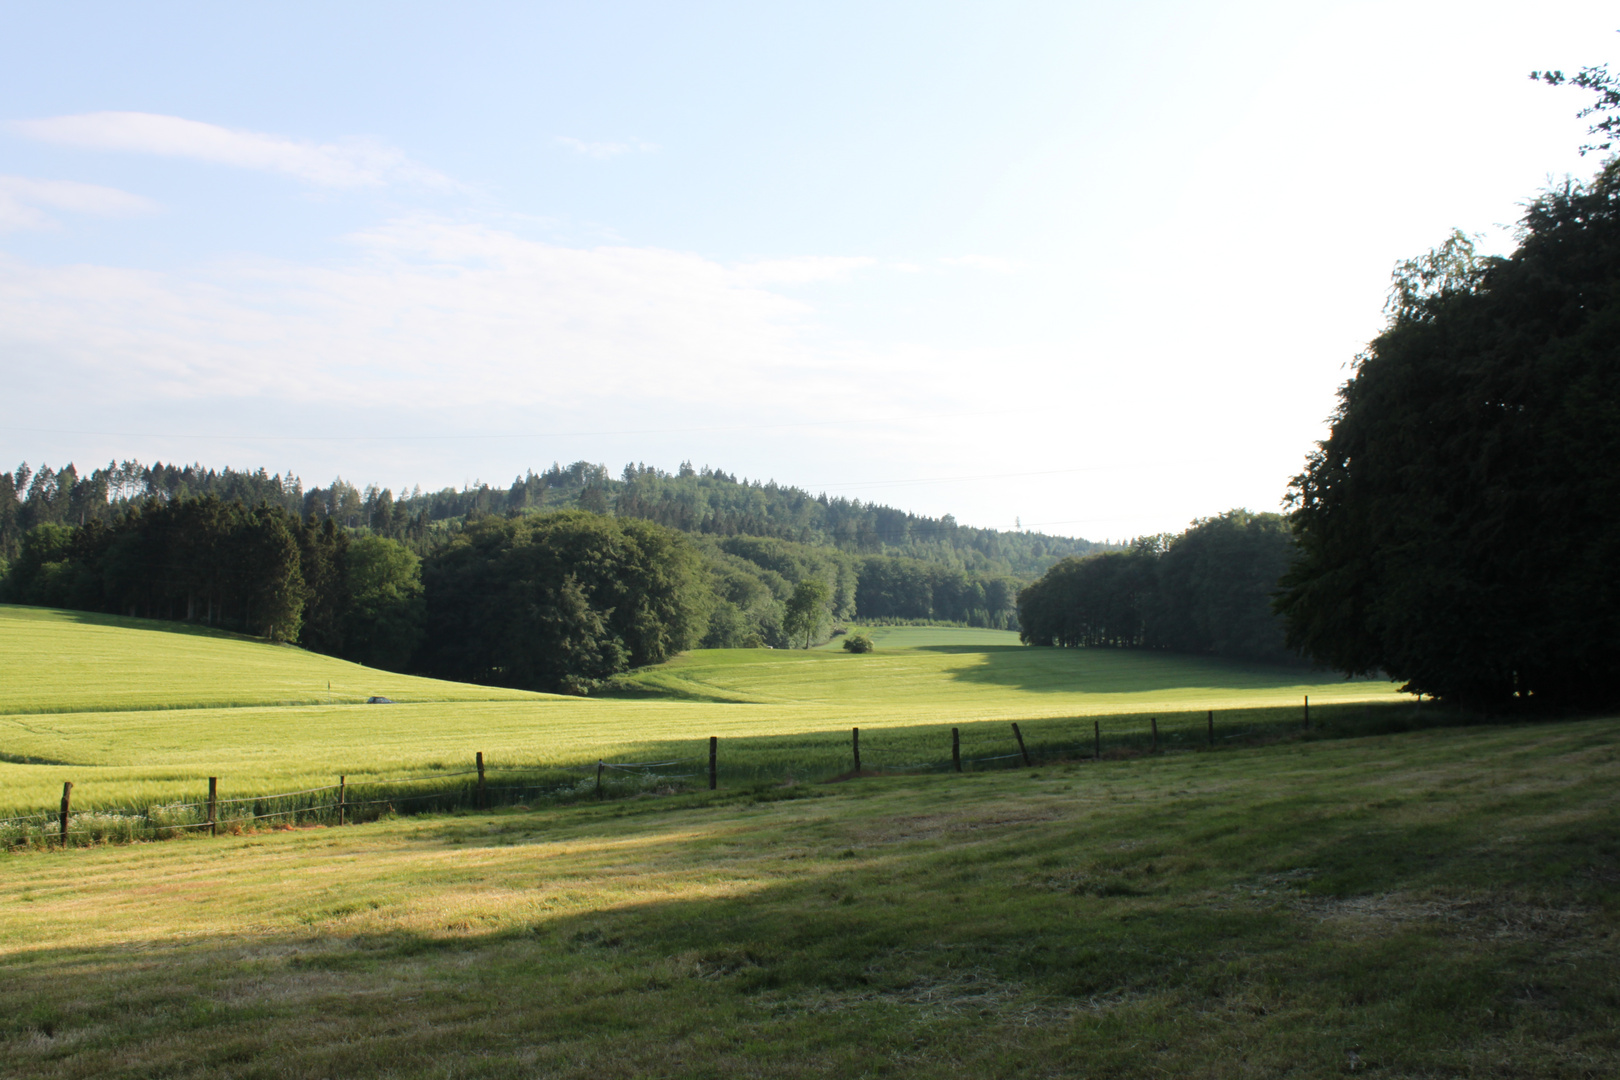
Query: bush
{"points": [[858, 643]]}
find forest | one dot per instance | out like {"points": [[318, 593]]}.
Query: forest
{"points": [[432, 583], [705, 501], [1208, 590]]}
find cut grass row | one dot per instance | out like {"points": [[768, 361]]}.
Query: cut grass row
{"points": [[1436, 903]]}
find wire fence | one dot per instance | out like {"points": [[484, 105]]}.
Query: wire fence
{"points": [[747, 762]]}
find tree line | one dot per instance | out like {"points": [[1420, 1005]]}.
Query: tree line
{"points": [[257, 570], [1208, 590], [706, 502], [549, 599]]}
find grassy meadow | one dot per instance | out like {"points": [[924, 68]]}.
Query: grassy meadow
{"points": [[1429, 904], [74, 661], [779, 714]]}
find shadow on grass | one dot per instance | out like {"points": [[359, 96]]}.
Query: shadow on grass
{"points": [[125, 622], [1192, 935], [1049, 669]]}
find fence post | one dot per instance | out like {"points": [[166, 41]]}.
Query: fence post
{"points": [[67, 804], [956, 748], [213, 806], [343, 790], [855, 743], [1153, 721], [1212, 727], [1307, 712], [1096, 734], [480, 779], [1019, 735], [599, 779], [714, 747]]}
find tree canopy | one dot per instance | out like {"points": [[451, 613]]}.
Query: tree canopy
{"points": [[559, 601], [1460, 526], [1208, 590]]}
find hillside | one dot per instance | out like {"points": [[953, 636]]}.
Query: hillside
{"points": [[74, 661]]}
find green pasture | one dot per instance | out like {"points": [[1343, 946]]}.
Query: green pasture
{"points": [[75, 661], [918, 637], [1435, 903], [778, 713]]}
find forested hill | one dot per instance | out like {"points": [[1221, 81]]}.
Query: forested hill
{"points": [[700, 501]]}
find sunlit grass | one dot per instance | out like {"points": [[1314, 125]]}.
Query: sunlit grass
{"points": [[1432, 903], [75, 661], [779, 713]]}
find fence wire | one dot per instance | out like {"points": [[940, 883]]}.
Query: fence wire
{"points": [[160, 820]]}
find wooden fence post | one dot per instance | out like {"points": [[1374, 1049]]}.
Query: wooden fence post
{"points": [[714, 747], [343, 790], [855, 742], [481, 780], [1019, 735], [67, 805], [213, 806], [956, 748], [1307, 712], [1096, 733], [1153, 721], [599, 768], [1212, 727]]}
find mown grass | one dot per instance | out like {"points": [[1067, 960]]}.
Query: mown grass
{"points": [[779, 713], [1434, 903]]}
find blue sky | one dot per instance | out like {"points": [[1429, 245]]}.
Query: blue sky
{"points": [[1095, 267]]}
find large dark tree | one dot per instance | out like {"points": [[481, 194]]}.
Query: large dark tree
{"points": [[558, 601], [1460, 528]]}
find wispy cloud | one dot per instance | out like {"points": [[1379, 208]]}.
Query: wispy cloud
{"points": [[606, 149], [430, 313], [357, 162], [24, 201]]}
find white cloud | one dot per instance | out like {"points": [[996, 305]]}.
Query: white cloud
{"points": [[354, 162], [602, 150], [23, 199], [437, 316]]}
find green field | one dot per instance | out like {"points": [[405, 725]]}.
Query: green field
{"points": [[129, 710], [1432, 904], [75, 661]]}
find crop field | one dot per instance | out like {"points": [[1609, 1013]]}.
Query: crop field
{"points": [[117, 707], [1433, 903]]}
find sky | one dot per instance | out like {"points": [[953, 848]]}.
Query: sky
{"points": [[1095, 269]]}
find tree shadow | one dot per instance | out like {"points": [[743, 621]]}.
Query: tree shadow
{"points": [[1048, 669], [983, 926]]}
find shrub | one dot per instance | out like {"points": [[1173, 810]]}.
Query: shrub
{"points": [[857, 643]]}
